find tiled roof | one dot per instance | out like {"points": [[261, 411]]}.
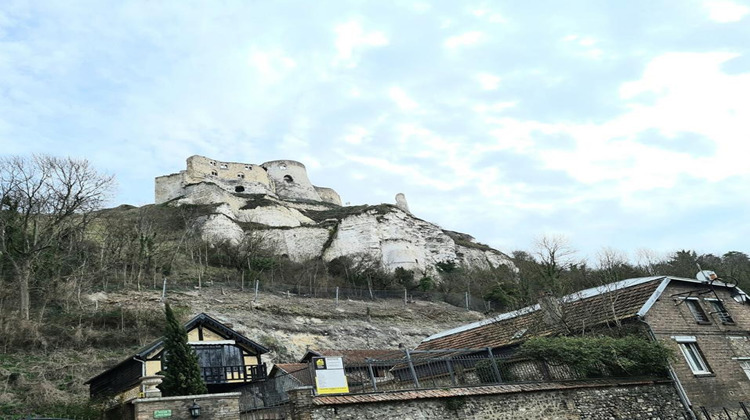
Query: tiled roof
{"points": [[476, 390], [580, 311]]}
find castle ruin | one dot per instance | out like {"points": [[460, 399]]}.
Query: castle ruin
{"points": [[284, 179]]}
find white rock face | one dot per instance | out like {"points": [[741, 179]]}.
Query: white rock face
{"points": [[387, 234], [218, 228], [399, 240], [274, 216], [300, 244]]}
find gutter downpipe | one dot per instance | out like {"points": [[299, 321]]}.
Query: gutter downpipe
{"points": [[675, 380]]}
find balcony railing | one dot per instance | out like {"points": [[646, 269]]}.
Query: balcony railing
{"points": [[225, 374]]}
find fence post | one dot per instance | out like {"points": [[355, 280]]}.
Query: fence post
{"points": [[449, 362], [411, 369], [495, 369], [405, 292], [337, 296], [467, 300], [256, 291], [372, 375]]}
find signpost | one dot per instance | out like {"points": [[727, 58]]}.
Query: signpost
{"points": [[330, 377]]}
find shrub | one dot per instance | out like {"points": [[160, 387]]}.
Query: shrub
{"points": [[601, 356]]}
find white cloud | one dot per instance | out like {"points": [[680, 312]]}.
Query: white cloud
{"points": [[352, 38], [271, 65], [356, 134], [488, 81], [725, 11], [584, 45], [466, 39], [489, 15], [402, 99]]}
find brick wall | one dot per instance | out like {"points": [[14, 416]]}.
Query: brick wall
{"points": [[213, 406], [579, 401], [720, 345]]}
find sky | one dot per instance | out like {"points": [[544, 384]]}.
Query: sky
{"points": [[622, 125]]}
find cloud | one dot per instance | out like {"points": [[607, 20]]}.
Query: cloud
{"points": [[488, 81], [724, 11], [402, 99], [466, 39], [352, 38]]}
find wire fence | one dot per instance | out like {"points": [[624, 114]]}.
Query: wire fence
{"points": [[337, 293], [421, 370]]}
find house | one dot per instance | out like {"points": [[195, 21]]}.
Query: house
{"points": [[704, 320], [228, 360]]}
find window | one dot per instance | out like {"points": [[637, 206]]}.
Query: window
{"points": [[288, 178], [214, 173], [718, 308], [745, 365], [693, 356], [240, 175], [224, 166], [695, 308]]}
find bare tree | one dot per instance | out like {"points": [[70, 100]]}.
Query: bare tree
{"points": [[555, 255], [44, 199]]}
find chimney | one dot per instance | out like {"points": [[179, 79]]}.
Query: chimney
{"points": [[552, 312]]}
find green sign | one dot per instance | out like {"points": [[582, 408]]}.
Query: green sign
{"points": [[160, 414]]}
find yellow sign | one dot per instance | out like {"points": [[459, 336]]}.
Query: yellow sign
{"points": [[330, 376]]}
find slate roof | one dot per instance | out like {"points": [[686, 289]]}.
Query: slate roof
{"points": [[582, 310]]}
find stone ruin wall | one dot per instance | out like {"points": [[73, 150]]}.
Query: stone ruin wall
{"points": [[285, 179]]}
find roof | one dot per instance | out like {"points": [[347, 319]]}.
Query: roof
{"points": [[619, 301], [299, 371], [200, 319], [355, 357]]}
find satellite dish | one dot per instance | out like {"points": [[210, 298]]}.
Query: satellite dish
{"points": [[706, 275]]}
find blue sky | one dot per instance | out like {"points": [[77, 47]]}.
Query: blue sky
{"points": [[615, 124]]}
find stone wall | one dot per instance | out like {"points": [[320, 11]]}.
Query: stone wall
{"points": [[641, 400], [213, 406]]}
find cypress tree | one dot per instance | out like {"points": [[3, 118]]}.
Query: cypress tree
{"points": [[182, 374]]}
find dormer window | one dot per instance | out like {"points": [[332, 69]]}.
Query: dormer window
{"points": [[717, 307], [698, 313]]}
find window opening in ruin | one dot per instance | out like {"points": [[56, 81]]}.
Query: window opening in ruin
{"points": [[248, 167], [212, 163], [288, 178], [720, 311], [282, 166], [239, 189], [223, 166], [698, 313], [240, 175], [214, 173]]}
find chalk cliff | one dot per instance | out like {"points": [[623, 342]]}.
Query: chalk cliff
{"points": [[278, 203]]}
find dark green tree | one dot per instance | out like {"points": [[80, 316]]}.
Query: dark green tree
{"points": [[182, 374]]}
